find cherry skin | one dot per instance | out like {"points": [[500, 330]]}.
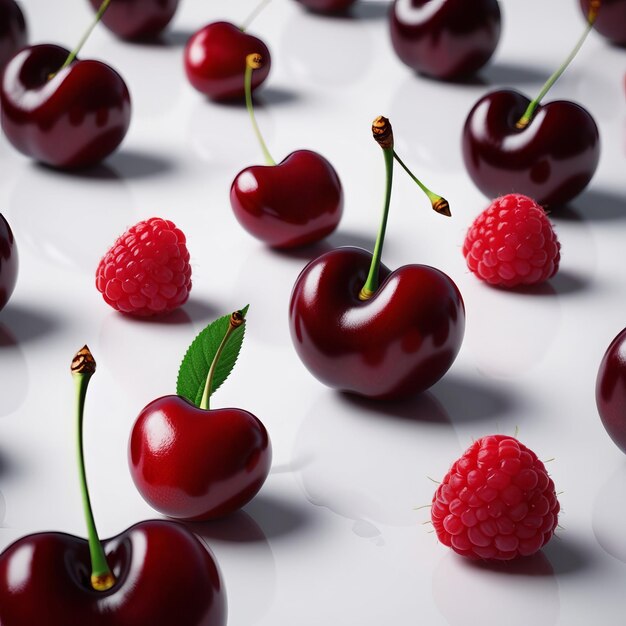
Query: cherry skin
{"points": [[611, 20], [197, 464], [445, 39], [326, 6], [8, 262], [552, 160], [611, 390], [137, 19], [164, 575], [294, 203], [398, 343], [215, 60], [74, 119], [12, 30]]}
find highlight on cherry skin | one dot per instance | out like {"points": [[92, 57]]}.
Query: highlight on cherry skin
{"points": [[362, 328], [290, 204], [155, 572]]}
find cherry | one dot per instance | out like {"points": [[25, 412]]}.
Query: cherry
{"points": [[138, 19], [61, 111], [611, 20], [156, 572], [8, 262], [194, 463], [371, 331], [611, 390], [293, 203], [12, 30], [445, 39], [548, 152], [215, 60], [326, 6]]}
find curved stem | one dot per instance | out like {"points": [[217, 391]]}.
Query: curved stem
{"points": [[255, 61], [371, 284], [236, 320], [439, 203], [83, 366], [530, 110], [255, 12]]}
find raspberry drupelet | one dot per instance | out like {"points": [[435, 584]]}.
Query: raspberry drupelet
{"points": [[496, 502], [512, 243], [146, 271]]}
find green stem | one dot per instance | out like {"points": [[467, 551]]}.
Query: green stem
{"points": [[254, 61], [236, 320], [371, 284], [438, 203], [102, 578], [530, 110], [253, 15]]}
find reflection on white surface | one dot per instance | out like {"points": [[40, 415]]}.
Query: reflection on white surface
{"points": [[609, 513], [515, 593]]}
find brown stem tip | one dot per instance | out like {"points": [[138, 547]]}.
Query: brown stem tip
{"points": [[237, 319], [83, 362], [102, 582], [594, 7], [382, 132], [254, 60], [442, 207]]}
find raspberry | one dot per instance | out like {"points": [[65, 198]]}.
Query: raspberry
{"points": [[496, 502], [146, 271], [512, 243]]}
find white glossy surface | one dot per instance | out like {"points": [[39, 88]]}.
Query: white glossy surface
{"points": [[333, 537]]}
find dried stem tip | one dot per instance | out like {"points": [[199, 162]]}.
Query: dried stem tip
{"points": [[442, 207], [593, 11], [237, 319], [83, 362], [382, 132], [254, 60]]}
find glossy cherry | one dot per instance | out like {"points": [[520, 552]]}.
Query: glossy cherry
{"points": [[73, 119], [215, 60], [611, 390], [611, 20], [12, 30], [445, 39], [8, 262], [137, 19], [327, 6]]}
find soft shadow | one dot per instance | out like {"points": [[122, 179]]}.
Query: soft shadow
{"points": [[6, 466], [178, 317], [567, 282], [174, 38], [473, 400], [537, 565], [506, 73], [236, 528], [567, 557], [136, 164], [200, 310], [334, 240], [275, 96], [25, 324], [97, 172], [277, 517], [595, 205], [371, 10]]}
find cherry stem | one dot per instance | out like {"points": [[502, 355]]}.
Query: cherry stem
{"points": [[253, 15], [236, 320], [530, 110], [254, 62], [83, 367]]}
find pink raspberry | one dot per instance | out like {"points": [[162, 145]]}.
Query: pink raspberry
{"points": [[146, 271], [512, 243], [496, 502]]}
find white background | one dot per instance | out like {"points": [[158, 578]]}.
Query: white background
{"points": [[333, 537]]}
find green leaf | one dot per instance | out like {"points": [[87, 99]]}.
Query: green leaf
{"points": [[196, 363]]}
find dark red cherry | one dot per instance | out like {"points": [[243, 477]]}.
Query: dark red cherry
{"points": [[611, 390], [445, 39], [611, 20], [294, 203], [197, 464], [73, 119], [8, 262], [12, 30], [137, 19], [215, 60], [164, 575], [551, 160], [326, 6], [399, 342]]}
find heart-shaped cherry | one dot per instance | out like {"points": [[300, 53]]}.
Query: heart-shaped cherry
{"points": [[60, 111], [327, 6], [293, 203], [361, 328], [8, 262], [193, 463], [156, 572], [611, 390], [548, 152], [138, 19], [611, 20], [12, 30], [445, 39], [215, 60]]}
